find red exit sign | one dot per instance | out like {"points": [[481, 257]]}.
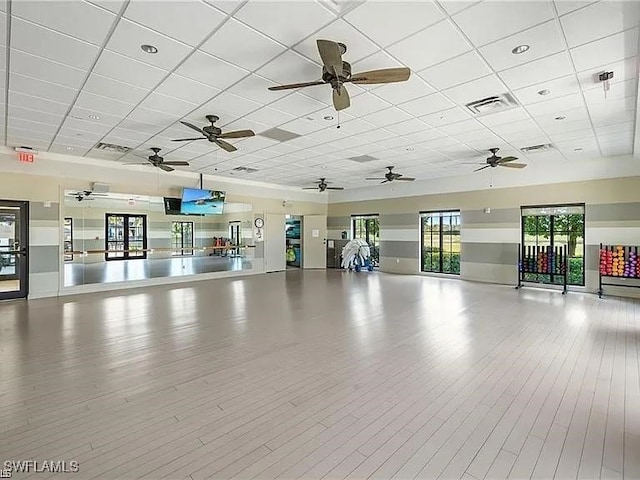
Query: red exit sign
{"points": [[26, 157]]}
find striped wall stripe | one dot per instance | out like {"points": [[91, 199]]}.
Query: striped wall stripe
{"points": [[399, 234], [490, 235]]}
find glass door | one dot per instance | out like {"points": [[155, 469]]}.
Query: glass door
{"points": [[182, 238], [126, 236], [14, 249]]}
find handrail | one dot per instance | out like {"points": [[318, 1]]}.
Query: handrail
{"points": [[159, 249]]}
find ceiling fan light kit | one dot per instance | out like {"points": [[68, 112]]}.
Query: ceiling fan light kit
{"points": [[214, 134], [495, 161]]}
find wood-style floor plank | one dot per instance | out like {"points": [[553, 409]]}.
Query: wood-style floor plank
{"points": [[313, 374]]}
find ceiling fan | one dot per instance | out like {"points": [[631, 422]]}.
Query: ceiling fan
{"points": [[215, 135], [82, 195], [390, 176], [156, 160], [337, 72], [495, 161], [322, 185]]}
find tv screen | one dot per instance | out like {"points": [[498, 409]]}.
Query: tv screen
{"points": [[202, 202], [172, 206]]}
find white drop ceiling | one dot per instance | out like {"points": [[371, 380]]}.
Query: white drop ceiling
{"points": [[68, 62]]}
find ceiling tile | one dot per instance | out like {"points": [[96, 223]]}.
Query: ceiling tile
{"points": [[543, 40], [625, 89], [506, 116], [532, 73], [461, 69], [388, 22], [210, 70], [112, 5], [103, 105], [454, 7], [609, 49], [128, 37], [358, 46], [32, 86], [34, 115], [464, 126], [107, 87], [37, 103], [78, 19], [446, 117], [187, 21], [186, 89], [31, 38], [291, 67], [255, 88], [287, 22], [367, 103], [407, 127], [36, 67], [167, 104], [386, 117], [125, 69], [396, 93], [476, 90], [622, 70], [270, 116], [233, 104], [565, 6], [599, 20], [412, 52], [251, 49], [557, 88], [298, 105], [489, 21], [435, 102], [557, 106], [549, 121]]}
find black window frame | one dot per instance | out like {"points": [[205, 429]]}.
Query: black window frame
{"points": [[183, 249], [374, 243], [68, 257], [441, 215], [126, 254]]}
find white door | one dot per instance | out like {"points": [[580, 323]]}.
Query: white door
{"points": [[274, 243], [314, 241]]}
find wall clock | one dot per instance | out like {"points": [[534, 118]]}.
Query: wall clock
{"points": [[259, 223]]}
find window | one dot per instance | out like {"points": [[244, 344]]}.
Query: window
{"points": [[556, 226], [367, 227], [182, 238], [68, 239], [440, 241], [126, 236]]}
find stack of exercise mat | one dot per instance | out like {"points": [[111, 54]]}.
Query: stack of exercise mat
{"points": [[619, 261], [543, 260]]}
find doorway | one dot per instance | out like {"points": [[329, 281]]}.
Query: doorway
{"points": [[14, 249], [293, 238], [234, 236], [126, 236]]}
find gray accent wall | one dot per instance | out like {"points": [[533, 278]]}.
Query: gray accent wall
{"points": [[44, 248]]}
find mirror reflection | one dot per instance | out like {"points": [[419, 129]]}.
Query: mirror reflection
{"points": [[115, 237]]}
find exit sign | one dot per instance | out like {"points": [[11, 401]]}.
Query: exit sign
{"points": [[26, 157]]}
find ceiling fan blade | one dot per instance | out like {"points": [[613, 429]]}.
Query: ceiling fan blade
{"points": [[177, 163], [188, 139], [334, 188], [406, 179], [507, 159], [331, 56], [295, 85], [385, 181], [164, 167], [310, 188], [387, 75], [341, 99], [481, 168], [375, 178], [191, 125], [225, 145], [512, 165], [237, 134], [138, 163]]}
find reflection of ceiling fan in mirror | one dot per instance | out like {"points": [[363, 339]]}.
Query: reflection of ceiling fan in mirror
{"points": [[391, 176], [322, 185], [83, 195], [495, 161], [215, 135], [156, 160], [337, 72]]}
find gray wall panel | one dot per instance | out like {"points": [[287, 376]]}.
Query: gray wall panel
{"points": [[43, 259], [495, 253], [612, 212], [396, 249], [335, 223], [37, 211], [399, 219], [497, 215]]}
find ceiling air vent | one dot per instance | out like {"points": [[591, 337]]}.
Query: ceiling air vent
{"points": [[362, 158], [245, 169], [110, 147], [279, 135], [493, 104], [537, 148]]}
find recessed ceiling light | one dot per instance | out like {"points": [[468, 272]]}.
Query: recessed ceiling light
{"points": [[328, 117], [148, 48], [69, 148], [544, 92], [520, 49], [94, 117], [560, 117]]}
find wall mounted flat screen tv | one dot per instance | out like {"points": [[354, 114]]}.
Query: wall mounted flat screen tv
{"points": [[172, 206], [202, 202]]}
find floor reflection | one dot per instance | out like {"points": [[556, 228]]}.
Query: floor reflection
{"points": [[141, 269]]}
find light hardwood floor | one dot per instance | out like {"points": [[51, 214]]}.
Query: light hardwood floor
{"points": [[323, 375]]}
